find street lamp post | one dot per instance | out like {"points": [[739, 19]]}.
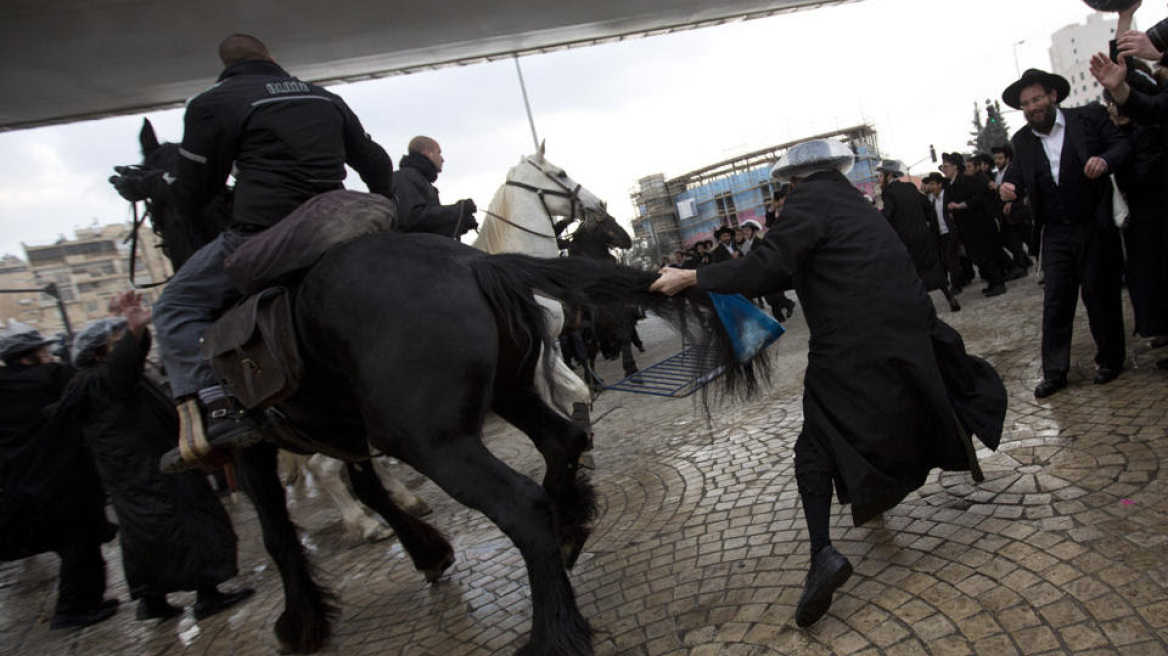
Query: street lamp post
{"points": [[1017, 70]]}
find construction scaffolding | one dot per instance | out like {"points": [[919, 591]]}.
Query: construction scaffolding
{"points": [[730, 192]]}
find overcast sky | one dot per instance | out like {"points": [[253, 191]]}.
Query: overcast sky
{"points": [[612, 114]]}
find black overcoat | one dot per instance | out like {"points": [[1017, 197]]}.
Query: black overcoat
{"points": [[886, 380], [975, 223], [907, 211], [50, 495], [175, 534], [418, 206]]}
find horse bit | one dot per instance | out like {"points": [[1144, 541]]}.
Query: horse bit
{"points": [[573, 196]]}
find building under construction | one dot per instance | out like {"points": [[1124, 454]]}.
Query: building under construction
{"points": [[674, 214]]}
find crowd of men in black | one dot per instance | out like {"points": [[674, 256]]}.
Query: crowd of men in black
{"points": [[1079, 195]]}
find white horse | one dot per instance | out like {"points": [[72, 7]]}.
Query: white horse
{"points": [[521, 219], [328, 474]]}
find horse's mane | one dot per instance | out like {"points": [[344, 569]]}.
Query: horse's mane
{"points": [[493, 232]]}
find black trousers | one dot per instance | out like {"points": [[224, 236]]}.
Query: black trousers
{"points": [[1084, 257], [81, 579], [1014, 241], [980, 237], [813, 475], [949, 248]]}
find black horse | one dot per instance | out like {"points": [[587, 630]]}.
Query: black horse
{"points": [[409, 340], [609, 330]]}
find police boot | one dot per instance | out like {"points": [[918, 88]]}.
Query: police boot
{"points": [[211, 426]]}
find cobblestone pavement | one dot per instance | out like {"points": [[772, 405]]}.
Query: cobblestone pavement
{"points": [[700, 549]]}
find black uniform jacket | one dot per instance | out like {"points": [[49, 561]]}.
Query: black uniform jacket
{"points": [[285, 141], [886, 380]]}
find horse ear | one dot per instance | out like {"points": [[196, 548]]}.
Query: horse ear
{"points": [[147, 137], [542, 147]]}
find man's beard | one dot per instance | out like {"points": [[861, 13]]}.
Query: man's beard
{"points": [[1043, 123]]}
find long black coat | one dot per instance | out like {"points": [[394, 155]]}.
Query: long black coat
{"points": [[50, 495], [975, 223], [175, 534], [907, 211], [1144, 183], [886, 379]]}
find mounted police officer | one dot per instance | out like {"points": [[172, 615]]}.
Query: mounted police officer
{"points": [[285, 141], [419, 209]]}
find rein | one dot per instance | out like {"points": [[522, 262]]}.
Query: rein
{"points": [[516, 225], [133, 239], [573, 196]]}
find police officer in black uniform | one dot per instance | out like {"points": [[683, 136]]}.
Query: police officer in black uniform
{"points": [[285, 141]]}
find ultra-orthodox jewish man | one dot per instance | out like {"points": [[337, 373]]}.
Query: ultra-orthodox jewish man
{"points": [[889, 392]]}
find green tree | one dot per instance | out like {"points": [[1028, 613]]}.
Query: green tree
{"points": [[994, 132]]}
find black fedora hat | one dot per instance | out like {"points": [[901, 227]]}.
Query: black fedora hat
{"points": [[726, 229], [1035, 76], [956, 159]]}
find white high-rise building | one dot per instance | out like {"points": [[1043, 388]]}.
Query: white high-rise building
{"points": [[1070, 56]]}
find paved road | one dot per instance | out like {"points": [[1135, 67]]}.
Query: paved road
{"points": [[700, 549]]}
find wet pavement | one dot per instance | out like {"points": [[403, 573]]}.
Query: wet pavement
{"points": [[701, 550]]}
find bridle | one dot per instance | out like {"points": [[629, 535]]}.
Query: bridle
{"points": [[564, 191]]}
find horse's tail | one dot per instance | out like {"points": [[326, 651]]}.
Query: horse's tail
{"points": [[588, 281]]}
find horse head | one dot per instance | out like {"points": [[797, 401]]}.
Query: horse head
{"points": [[150, 182]]}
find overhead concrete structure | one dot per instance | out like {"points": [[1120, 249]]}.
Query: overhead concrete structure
{"points": [[70, 60]]}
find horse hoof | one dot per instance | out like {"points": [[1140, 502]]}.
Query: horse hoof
{"points": [[432, 574], [378, 534]]}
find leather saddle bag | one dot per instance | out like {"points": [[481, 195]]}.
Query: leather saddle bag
{"points": [[253, 349]]}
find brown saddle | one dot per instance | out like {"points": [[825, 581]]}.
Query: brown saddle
{"points": [[253, 348]]}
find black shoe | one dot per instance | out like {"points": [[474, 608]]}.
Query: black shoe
{"points": [[209, 604], [1049, 386], [156, 608], [1162, 364], [77, 620], [829, 570], [994, 290], [1016, 273], [1158, 342], [954, 306], [956, 290], [1105, 375]]}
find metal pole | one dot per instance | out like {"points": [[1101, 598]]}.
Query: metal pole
{"points": [[51, 290], [1017, 70], [526, 104]]}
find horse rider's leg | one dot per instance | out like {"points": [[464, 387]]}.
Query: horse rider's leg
{"points": [[328, 475], [561, 442], [400, 494], [473, 476], [430, 551], [306, 622]]}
